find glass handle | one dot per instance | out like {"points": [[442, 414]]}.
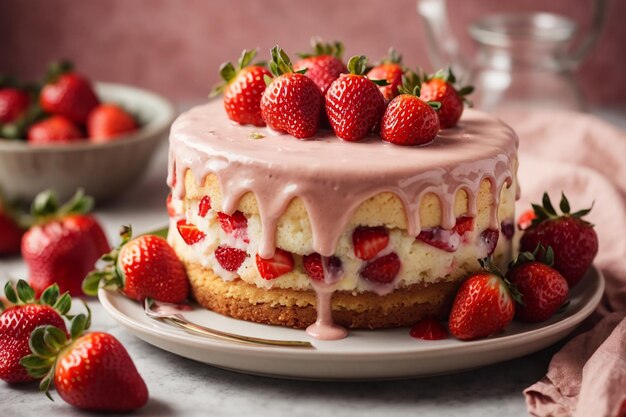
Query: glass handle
{"points": [[573, 59]]}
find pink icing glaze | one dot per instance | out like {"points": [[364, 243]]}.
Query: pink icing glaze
{"points": [[324, 328], [328, 173]]}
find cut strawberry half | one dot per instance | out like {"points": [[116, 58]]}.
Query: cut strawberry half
{"points": [[313, 265], [490, 240], [429, 329], [369, 241], [204, 206], [280, 264], [447, 240], [235, 224], [230, 258], [382, 270], [463, 225], [189, 232]]}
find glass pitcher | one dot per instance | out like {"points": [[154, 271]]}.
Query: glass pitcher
{"points": [[523, 59]]}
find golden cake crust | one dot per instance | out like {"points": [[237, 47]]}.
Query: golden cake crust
{"points": [[286, 307]]}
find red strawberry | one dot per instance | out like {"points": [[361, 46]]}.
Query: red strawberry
{"points": [[64, 244], [292, 102], [11, 231], [68, 94], [91, 371], [323, 66], [573, 240], [54, 130], [280, 264], [382, 270], [204, 206], [354, 104], [408, 120], [13, 104], [189, 232], [232, 223], [525, 220], [440, 87], [108, 122], [229, 258], [482, 306], [391, 70], [143, 267], [369, 241], [18, 321], [313, 265], [542, 288], [242, 88], [429, 329], [447, 240]]}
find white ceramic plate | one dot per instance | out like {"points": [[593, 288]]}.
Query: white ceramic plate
{"points": [[364, 354]]}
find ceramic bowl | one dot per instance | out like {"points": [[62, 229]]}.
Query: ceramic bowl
{"points": [[103, 170]]}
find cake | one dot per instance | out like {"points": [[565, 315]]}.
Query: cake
{"points": [[359, 234]]}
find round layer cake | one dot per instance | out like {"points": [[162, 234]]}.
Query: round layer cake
{"points": [[366, 234]]}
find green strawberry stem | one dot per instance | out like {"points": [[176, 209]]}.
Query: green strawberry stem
{"points": [[46, 342], [320, 48], [488, 266], [546, 210], [109, 276], [357, 65], [46, 207], [22, 294], [56, 69], [448, 76], [228, 71], [411, 84], [393, 57], [540, 254]]}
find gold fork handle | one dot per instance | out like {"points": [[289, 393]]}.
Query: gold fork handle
{"points": [[247, 340]]}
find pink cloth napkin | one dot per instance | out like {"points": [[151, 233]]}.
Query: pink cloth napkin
{"points": [[586, 158]]}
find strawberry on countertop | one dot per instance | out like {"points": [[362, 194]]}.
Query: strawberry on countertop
{"points": [[573, 240], [324, 65], [143, 267], [391, 70], [543, 290], [107, 122], [64, 243], [440, 87], [354, 104], [53, 131], [292, 102], [67, 93], [91, 371], [18, 321], [484, 304], [408, 119], [243, 87]]}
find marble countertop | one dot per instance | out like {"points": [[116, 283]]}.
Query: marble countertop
{"points": [[181, 387]]}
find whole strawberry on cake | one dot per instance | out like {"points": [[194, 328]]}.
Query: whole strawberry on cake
{"points": [[292, 224]]}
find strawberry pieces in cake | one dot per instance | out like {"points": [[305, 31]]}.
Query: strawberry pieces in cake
{"points": [[292, 102], [243, 87], [314, 269], [391, 70], [354, 104], [490, 240], [369, 241], [280, 264], [382, 270], [573, 240], [189, 232], [235, 224], [440, 87], [204, 206], [230, 258], [324, 65], [447, 240]]}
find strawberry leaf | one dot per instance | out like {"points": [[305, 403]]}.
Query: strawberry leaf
{"points": [[564, 204], [227, 72], [50, 295], [434, 104], [25, 293], [78, 325], [63, 304], [357, 65], [9, 293], [246, 58], [468, 89]]}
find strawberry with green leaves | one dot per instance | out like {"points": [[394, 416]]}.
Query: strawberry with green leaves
{"points": [[91, 371], [243, 87], [354, 104], [67, 93], [573, 239], [292, 102], [484, 304], [391, 70], [542, 288], [441, 87], [18, 321], [64, 243], [409, 120], [143, 267], [324, 65]]}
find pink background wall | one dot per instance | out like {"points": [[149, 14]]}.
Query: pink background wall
{"points": [[175, 46]]}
